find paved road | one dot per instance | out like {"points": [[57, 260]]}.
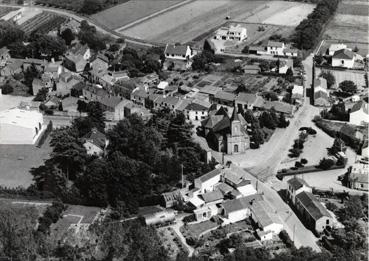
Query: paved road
{"points": [[292, 224]]}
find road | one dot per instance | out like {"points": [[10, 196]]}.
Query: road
{"points": [[80, 18]]}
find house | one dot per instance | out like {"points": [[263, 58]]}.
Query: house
{"points": [[66, 83], [167, 102], [197, 110], [131, 108], [239, 209], [80, 50], [213, 197], [37, 84], [207, 182], [95, 142], [296, 186], [53, 70], [343, 58], [246, 188], [335, 47], [224, 98], [4, 56], [52, 102], [18, 126], [315, 215], [178, 52], [171, 199], [100, 63], [226, 134], [75, 63], [231, 33], [290, 52], [13, 67], [265, 218], [39, 64], [321, 93], [245, 101], [206, 212], [278, 106], [275, 48], [139, 96], [359, 113], [358, 177], [284, 65], [297, 93]]}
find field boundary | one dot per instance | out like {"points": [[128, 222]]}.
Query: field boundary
{"points": [[143, 19]]}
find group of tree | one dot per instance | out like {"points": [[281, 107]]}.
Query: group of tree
{"points": [[348, 87], [308, 31], [90, 36], [10, 33], [328, 75], [298, 145], [203, 60], [337, 112], [142, 160]]}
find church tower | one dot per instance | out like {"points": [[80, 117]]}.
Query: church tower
{"points": [[235, 124]]}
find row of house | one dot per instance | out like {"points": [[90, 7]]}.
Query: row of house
{"points": [[274, 48]]}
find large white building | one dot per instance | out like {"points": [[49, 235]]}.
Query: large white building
{"points": [[19, 126], [359, 113], [343, 58], [231, 33]]}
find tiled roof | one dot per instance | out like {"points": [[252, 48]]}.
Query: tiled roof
{"points": [[343, 54], [248, 98], [176, 50], [196, 107], [210, 175], [212, 196], [320, 82], [360, 105], [264, 214], [96, 137], [225, 96], [297, 183], [315, 209], [275, 44], [240, 203]]}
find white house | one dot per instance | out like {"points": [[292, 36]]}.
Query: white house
{"points": [[197, 110], [238, 209], [265, 218], [297, 92], [359, 113], [95, 142], [343, 58], [207, 182], [336, 47], [179, 52], [275, 48], [246, 188], [18, 126], [232, 33], [296, 186]]}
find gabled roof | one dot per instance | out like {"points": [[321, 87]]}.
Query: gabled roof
{"points": [[96, 137], [315, 209], [176, 49], [297, 183], [225, 96], [248, 98], [360, 105], [264, 214], [235, 115], [196, 107], [140, 93], [275, 44], [211, 121], [320, 95], [240, 203], [224, 187], [343, 54], [212, 196], [210, 175], [320, 82]]}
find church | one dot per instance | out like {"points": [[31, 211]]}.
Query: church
{"points": [[226, 134]]}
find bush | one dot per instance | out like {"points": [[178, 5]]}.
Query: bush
{"points": [[51, 215], [298, 164], [331, 206], [304, 161], [326, 164], [286, 238], [7, 89]]}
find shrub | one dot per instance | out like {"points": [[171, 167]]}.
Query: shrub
{"points": [[7, 89], [286, 238], [331, 206], [326, 164], [298, 164], [304, 161], [51, 215]]}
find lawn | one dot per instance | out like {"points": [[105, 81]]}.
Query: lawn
{"points": [[357, 77], [17, 160], [195, 230], [170, 241], [353, 9]]}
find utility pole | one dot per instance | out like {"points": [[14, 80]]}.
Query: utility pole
{"points": [[294, 231], [182, 175]]}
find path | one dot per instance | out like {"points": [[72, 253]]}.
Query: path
{"points": [[176, 227]]}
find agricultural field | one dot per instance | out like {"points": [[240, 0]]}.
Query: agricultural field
{"points": [[123, 14], [201, 17], [42, 23], [5, 10], [350, 22]]}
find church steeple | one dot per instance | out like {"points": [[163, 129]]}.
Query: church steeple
{"points": [[235, 115]]}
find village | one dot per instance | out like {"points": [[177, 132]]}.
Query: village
{"points": [[280, 131]]}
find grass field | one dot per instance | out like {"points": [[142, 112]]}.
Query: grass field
{"points": [[350, 23], [357, 77], [131, 11], [17, 160], [200, 17]]}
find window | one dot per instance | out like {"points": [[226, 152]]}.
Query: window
{"points": [[361, 185], [342, 62], [327, 221], [235, 148]]}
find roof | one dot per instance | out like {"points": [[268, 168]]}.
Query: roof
{"points": [[233, 177], [264, 214], [209, 89], [3, 51], [240, 203], [256, 48], [298, 89], [140, 93], [176, 49], [16, 64], [224, 187], [360, 105], [279, 106], [297, 183], [96, 137], [211, 121], [320, 82], [212, 196], [21, 118], [210, 175], [275, 44], [196, 201], [225, 96], [246, 97], [315, 209], [320, 95], [343, 54], [235, 115], [196, 107], [79, 49]]}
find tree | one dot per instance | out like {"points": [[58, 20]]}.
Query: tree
{"points": [[6, 89], [9, 33], [246, 49], [289, 75], [48, 45], [264, 66], [328, 75], [91, 6], [68, 36], [338, 145], [41, 95], [348, 86], [202, 60], [325, 164], [297, 62]]}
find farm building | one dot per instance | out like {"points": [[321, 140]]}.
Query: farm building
{"points": [[263, 215], [19, 126], [179, 52], [296, 186], [156, 215], [231, 33], [343, 58], [359, 113], [239, 209], [208, 181], [313, 212]]}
